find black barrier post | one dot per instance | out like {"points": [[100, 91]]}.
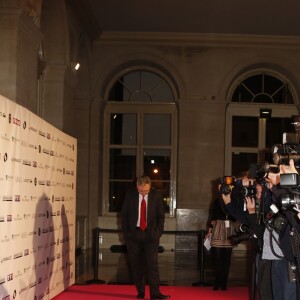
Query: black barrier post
{"points": [[95, 256], [201, 236], [253, 278]]}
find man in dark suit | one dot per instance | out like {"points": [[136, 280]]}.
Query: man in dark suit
{"points": [[142, 235]]}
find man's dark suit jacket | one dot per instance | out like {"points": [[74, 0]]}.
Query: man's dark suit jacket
{"points": [[155, 214]]}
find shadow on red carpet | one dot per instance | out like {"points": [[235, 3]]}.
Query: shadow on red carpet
{"points": [[114, 292]]}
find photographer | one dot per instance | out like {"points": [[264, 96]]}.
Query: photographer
{"points": [[234, 201], [256, 208], [284, 287], [248, 203]]}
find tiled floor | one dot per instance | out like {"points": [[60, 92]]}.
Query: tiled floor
{"points": [[175, 268]]}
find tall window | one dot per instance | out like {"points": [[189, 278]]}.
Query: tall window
{"points": [[249, 137], [140, 135]]}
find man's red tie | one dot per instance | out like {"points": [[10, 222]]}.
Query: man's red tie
{"points": [[143, 219]]}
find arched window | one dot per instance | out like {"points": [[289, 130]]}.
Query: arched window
{"points": [[262, 88], [140, 137], [141, 86], [249, 135]]}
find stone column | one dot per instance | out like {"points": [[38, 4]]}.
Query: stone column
{"points": [[18, 56]]}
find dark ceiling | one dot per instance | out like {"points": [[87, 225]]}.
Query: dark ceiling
{"points": [[263, 17]]}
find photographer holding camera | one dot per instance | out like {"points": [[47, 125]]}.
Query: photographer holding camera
{"points": [[247, 203], [252, 209], [285, 281], [256, 212]]}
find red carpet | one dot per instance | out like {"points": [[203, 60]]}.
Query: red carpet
{"points": [[110, 292]]}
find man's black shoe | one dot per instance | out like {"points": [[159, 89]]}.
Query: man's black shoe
{"points": [[160, 296], [140, 296]]}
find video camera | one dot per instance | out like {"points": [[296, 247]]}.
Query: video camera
{"points": [[290, 200], [282, 154]]}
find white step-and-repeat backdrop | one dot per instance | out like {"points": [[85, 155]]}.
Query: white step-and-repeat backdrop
{"points": [[37, 205]]}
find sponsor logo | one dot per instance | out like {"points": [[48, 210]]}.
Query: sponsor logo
{"points": [[7, 198], [18, 255], [4, 137], [40, 247], [9, 178], [15, 236], [46, 151], [27, 180], [10, 277], [18, 179], [42, 263], [45, 230], [19, 273], [15, 140], [27, 216], [7, 258], [17, 218], [41, 133], [23, 289], [16, 121], [9, 218], [32, 284], [26, 162], [32, 129]]}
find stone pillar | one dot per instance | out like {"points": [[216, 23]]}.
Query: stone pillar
{"points": [[19, 57]]}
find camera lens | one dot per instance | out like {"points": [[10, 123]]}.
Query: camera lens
{"points": [[288, 200]]}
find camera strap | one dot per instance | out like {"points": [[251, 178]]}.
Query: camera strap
{"points": [[273, 238]]}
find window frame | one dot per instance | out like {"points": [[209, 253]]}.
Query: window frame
{"points": [[112, 107], [251, 110]]}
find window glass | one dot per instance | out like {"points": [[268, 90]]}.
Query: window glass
{"points": [[122, 163], [241, 162], [164, 189], [140, 137], [157, 164], [244, 131], [157, 129], [141, 86], [262, 88], [275, 128], [117, 191], [123, 129]]}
